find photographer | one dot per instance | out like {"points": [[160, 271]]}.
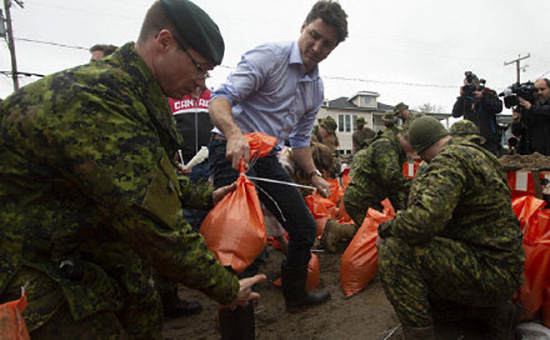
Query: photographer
{"points": [[480, 105], [531, 121]]}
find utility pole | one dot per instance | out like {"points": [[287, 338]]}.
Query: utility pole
{"points": [[11, 44], [516, 61]]}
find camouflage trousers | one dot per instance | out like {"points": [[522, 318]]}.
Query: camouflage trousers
{"points": [[421, 281], [48, 315]]}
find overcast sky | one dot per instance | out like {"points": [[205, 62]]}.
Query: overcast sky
{"points": [[414, 51]]}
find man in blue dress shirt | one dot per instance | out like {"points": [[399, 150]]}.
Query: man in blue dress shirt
{"points": [[276, 89]]}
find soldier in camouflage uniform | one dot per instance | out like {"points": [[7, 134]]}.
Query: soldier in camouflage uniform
{"points": [[466, 129], [458, 243], [90, 198], [377, 173]]}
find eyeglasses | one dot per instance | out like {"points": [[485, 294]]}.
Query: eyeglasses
{"points": [[201, 73]]}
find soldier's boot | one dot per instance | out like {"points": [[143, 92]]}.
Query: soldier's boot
{"points": [[501, 320], [237, 324], [294, 290], [174, 307], [418, 333], [334, 232]]}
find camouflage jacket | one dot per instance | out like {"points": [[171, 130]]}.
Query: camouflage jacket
{"points": [[87, 176], [377, 173], [462, 194]]}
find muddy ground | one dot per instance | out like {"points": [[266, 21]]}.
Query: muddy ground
{"points": [[367, 315]]}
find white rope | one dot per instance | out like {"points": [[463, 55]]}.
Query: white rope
{"points": [[280, 182]]}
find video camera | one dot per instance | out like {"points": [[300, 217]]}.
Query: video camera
{"points": [[512, 94], [470, 86]]}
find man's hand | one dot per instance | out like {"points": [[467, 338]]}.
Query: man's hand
{"points": [[219, 194], [182, 171], [245, 293], [516, 116], [323, 187], [524, 103], [478, 95], [237, 149]]}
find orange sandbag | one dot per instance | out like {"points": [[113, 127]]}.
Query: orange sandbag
{"points": [[336, 191], [359, 262], [234, 230], [321, 208], [260, 144], [12, 324], [342, 215], [526, 208], [313, 279], [536, 243]]}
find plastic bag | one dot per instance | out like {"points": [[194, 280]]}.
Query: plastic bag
{"points": [[533, 294], [359, 262], [313, 278], [12, 324], [234, 230], [336, 192], [322, 209]]}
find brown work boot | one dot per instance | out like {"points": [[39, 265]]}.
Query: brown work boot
{"points": [[334, 232], [418, 333]]}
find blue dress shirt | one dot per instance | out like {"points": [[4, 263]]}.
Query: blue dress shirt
{"points": [[269, 92]]}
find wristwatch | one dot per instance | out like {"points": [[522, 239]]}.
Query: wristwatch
{"points": [[315, 173]]}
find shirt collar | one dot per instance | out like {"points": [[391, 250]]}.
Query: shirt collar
{"points": [[296, 58]]}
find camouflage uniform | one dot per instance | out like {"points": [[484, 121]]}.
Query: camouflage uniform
{"points": [[90, 198], [458, 241], [362, 138], [377, 173]]}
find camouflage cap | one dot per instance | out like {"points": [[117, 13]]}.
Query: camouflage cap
{"points": [[196, 27], [328, 123], [467, 129], [424, 131], [359, 121], [399, 107]]}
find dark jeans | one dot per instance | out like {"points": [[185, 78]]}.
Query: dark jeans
{"points": [[285, 202], [195, 217]]}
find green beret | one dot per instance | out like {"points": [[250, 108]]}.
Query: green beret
{"points": [[329, 123], [399, 107], [424, 132], [196, 27], [359, 121]]}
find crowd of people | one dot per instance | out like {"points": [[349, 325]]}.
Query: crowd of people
{"points": [[101, 215]]}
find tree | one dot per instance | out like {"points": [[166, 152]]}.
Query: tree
{"points": [[429, 108]]}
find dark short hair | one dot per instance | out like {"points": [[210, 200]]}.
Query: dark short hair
{"points": [[155, 21], [546, 80], [332, 14], [107, 49]]}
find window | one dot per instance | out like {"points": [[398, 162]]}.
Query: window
{"points": [[345, 123]]}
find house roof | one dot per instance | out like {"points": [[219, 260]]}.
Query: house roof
{"points": [[344, 103]]}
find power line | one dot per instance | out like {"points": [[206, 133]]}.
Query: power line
{"points": [[391, 82], [52, 43]]}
